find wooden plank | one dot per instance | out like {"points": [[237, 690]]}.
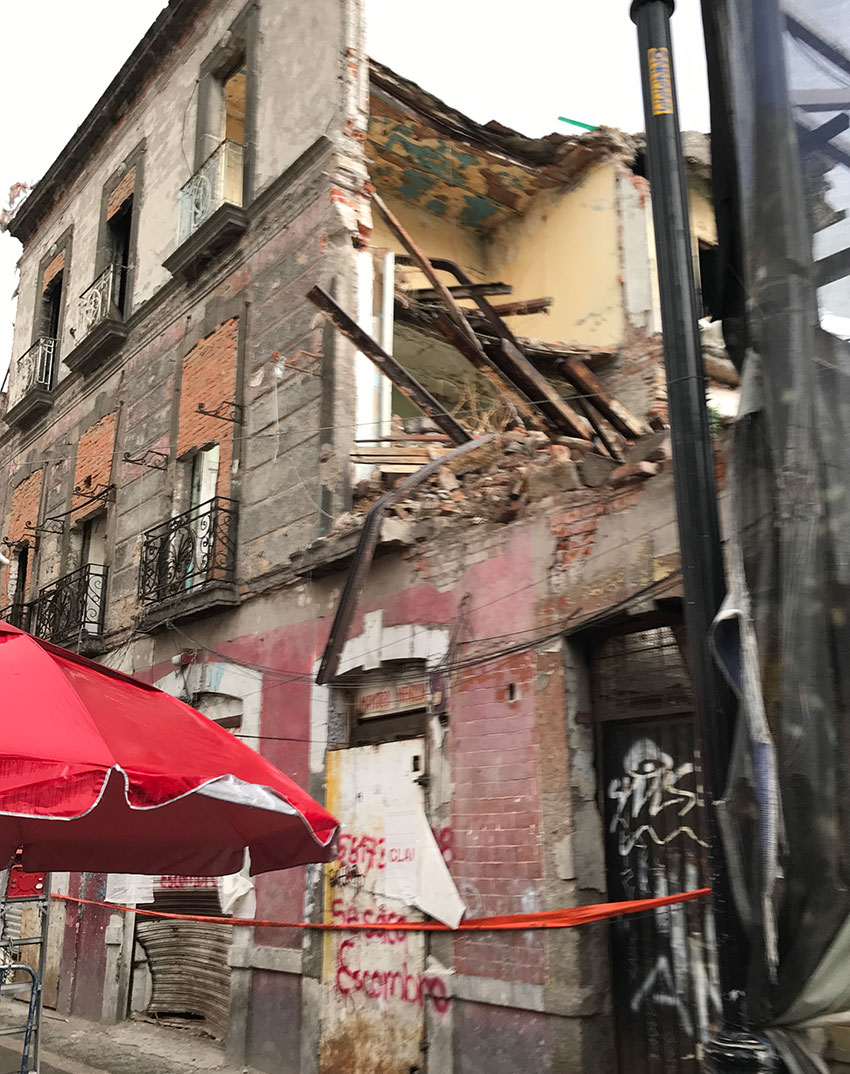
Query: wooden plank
{"points": [[429, 294], [626, 424], [518, 309]]}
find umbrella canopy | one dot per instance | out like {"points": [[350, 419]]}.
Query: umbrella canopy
{"points": [[101, 772]]}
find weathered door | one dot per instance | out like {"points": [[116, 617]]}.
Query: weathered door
{"points": [[663, 962], [664, 978], [373, 982]]}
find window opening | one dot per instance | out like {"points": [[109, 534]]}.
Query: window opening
{"points": [[201, 531], [18, 573], [389, 709], [375, 396], [204, 475], [233, 92], [710, 283], [92, 560], [118, 230], [51, 307]]}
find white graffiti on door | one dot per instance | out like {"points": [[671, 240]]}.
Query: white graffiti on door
{"points": [[684, 976], [651, 784]]}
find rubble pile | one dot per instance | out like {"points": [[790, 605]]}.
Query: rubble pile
{"points": [[502, 478]]}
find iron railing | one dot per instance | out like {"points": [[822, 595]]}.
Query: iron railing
{"points": [[217, 182], [189, 552], [73, 606], [17, 613], [33, 370], [97, 301]]}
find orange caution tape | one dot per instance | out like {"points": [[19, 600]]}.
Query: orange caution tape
{"points": [[548, 919]]}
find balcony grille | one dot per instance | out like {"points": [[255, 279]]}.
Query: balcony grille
{"points": [[217, 182], [189, 552], [72, 606], [33, 370], [97, 301], [17, 613]]}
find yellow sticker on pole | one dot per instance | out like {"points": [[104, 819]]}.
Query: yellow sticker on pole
{"points": [[660, 82]]}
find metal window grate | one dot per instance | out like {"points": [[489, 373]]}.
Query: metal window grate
{"points": [[640, 674]]}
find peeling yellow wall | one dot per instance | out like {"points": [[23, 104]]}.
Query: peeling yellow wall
{"points": [[567, 246]]}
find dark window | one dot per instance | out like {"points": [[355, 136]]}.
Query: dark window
{"points": [[51, 307], [119, 229], [710, 285], [641, 674], [368, 732]]}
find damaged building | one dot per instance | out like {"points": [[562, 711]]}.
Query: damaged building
{"points": [[343, 417]]}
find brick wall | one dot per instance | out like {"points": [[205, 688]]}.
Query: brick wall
{"points": [[575, 527], [496, 845], [26, 498], [53, 269], [94, 463], [120, 194], [209, 377]]}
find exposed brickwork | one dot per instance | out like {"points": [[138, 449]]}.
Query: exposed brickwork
{"points": [[94, 463], [209, 377], [120, 194], [496, 823], [26, 498], [53, 269], [575, 527]]}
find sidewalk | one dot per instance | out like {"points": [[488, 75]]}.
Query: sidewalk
{"points": [[74, 1046]]}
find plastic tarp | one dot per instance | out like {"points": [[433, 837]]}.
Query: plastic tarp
{"points": [[781, 179]]}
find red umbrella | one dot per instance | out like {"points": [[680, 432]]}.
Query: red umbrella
{"points": [[101, 772]]}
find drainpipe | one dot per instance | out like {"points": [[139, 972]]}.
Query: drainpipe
{"points": [[732, 1049]]}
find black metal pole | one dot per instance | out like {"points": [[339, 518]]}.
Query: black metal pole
{"points": [[696, 498]]}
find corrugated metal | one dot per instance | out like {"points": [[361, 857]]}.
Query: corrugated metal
{"points": [[188, 960]]}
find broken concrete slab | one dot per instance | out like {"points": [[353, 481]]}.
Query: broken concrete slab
{"points": [[561, 476], [651, 448], [596, 470]]}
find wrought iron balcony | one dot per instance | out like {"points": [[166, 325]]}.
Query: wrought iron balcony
{"points": [[33, 370], [217, 182], [17, 613], [189, 552], [72, 607], [100, 301]]}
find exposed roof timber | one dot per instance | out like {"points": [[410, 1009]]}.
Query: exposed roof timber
{"points": [[477, 175], [554, 150]]}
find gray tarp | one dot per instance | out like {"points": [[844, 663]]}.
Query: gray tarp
{"points": [[784, 634]]}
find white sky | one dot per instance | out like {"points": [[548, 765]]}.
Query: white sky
{"points": [[523, 64]]}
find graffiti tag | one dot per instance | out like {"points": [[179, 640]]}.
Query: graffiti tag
{"points": [[399, 984], [652, 784]]}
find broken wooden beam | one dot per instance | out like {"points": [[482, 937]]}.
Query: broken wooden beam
{"points": [[406, 384], [626, 424], [366, 546], [554, 408], [518, 309], [430, 294], [587, 410]]}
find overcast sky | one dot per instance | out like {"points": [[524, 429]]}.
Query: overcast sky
{"points": [[522, 64]]}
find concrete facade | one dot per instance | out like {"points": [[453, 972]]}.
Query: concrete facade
{"points": [[487, 592]]}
